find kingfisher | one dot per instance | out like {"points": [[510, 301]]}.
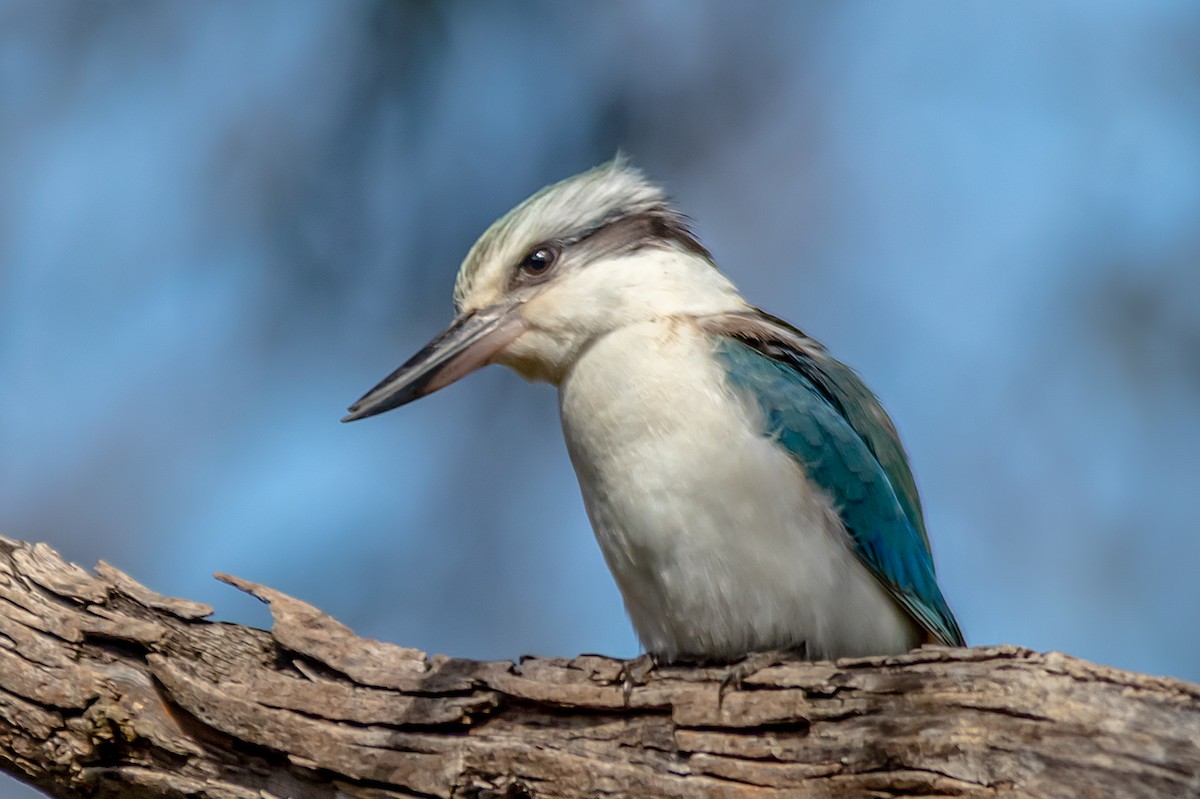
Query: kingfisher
{"points": [[748, 491]]}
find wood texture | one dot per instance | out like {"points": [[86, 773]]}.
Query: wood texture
{"points": [[109, 689]]}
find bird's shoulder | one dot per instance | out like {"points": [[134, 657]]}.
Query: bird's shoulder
{"points": [[831, 423], [836, 383]]}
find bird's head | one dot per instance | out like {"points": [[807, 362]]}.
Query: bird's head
{"points": [[575, 261]]}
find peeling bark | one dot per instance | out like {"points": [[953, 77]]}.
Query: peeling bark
{"points": [[109, 689]]}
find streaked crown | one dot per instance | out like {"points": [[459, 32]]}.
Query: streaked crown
{"points": [[568, 212]]}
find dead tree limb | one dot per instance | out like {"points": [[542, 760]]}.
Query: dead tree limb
{"points": [[108, 689]]}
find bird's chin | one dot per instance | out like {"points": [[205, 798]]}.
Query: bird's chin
{"points": [[532, 356], [533, 370]]}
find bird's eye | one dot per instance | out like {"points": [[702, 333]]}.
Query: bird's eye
{"points": [[539, 260]]}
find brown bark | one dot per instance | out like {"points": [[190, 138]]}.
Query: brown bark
{"points": [[108, 689]]}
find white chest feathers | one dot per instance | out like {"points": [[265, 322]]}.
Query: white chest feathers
{"points": [[718, 543]]}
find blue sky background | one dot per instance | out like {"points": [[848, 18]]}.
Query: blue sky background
{"points": [[221, 222]]}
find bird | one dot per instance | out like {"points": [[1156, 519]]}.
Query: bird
{"points": [[747, 490]]}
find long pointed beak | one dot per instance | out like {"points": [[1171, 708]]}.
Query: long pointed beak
{"points": [[471, 341]]}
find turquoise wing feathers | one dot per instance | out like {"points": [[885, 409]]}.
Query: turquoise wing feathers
{"points": [[835, 429]]}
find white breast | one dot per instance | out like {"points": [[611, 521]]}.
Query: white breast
{"points": [[717, 541]]}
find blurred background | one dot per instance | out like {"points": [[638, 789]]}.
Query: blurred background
{"points": [[220, 223]]}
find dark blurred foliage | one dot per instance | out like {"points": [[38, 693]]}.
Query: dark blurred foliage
{"points": [[221, 222]]}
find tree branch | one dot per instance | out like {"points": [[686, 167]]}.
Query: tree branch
{"points": [[108, 689]]}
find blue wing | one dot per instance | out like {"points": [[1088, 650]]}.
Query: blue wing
{"points": [[833, 426]]}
